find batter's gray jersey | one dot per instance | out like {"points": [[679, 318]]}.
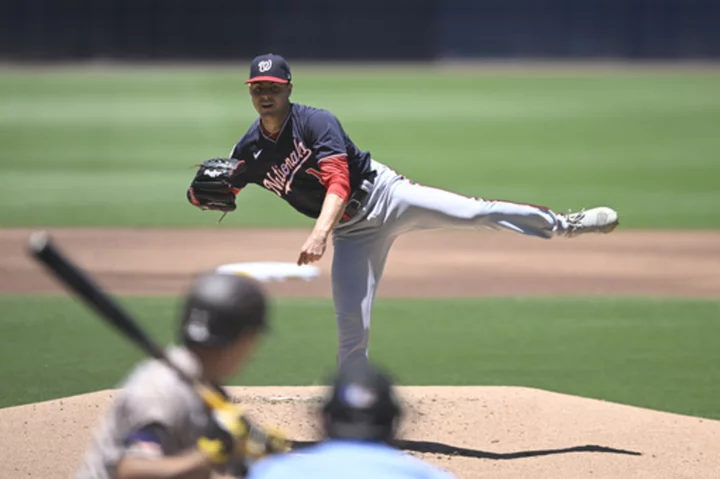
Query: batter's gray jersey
{"points": [[151, 394]]}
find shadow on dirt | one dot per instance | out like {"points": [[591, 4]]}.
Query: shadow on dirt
{"points": [[440, 448]]}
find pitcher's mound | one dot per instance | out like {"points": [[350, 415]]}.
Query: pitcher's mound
{"points": [[498, 432]]}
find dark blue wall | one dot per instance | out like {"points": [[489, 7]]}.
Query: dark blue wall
{"points": [[368, 29], [580, 28]]}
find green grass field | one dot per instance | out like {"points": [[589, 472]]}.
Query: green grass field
{"points": [[115, 146], [660, 354]]}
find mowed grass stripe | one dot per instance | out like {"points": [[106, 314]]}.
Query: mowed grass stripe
{"points": [[644, 143]]}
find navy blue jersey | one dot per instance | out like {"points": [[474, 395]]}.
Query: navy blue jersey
{"points": [[289, 165]]}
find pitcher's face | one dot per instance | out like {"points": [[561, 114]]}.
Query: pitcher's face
{"points": [[270, 98]]}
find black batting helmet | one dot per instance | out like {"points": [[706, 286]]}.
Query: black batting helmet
{"points": [[362, 404], [219, 308]]}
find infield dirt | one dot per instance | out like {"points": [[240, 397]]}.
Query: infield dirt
{"points": [[431, 264]]}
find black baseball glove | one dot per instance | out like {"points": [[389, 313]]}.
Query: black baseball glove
{"points": [[212, 188]]}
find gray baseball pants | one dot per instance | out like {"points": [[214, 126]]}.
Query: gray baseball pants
{"points": [[395, 206]]}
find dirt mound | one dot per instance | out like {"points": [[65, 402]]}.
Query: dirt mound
{"points": [[429, 264], [475, 432]]}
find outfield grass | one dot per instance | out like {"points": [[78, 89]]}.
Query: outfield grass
{"points": [[660, 354], [114, 147]]}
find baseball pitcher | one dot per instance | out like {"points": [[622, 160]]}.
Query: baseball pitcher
{"points": [[304, 156]]}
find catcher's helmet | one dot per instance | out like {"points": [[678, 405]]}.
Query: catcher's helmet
{"points": [[219, 308], [362, 404]]}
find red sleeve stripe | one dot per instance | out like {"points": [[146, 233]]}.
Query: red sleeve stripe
{"points": [[335, 175], [330, 157]]}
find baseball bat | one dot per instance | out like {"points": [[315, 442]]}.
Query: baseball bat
{"points": [[79, 282]]}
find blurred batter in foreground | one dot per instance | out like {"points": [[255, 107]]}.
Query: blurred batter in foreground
{"points": [[158, 426]]}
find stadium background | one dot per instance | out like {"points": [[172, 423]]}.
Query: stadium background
{"points": [[369, 30], [104, 107]]}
